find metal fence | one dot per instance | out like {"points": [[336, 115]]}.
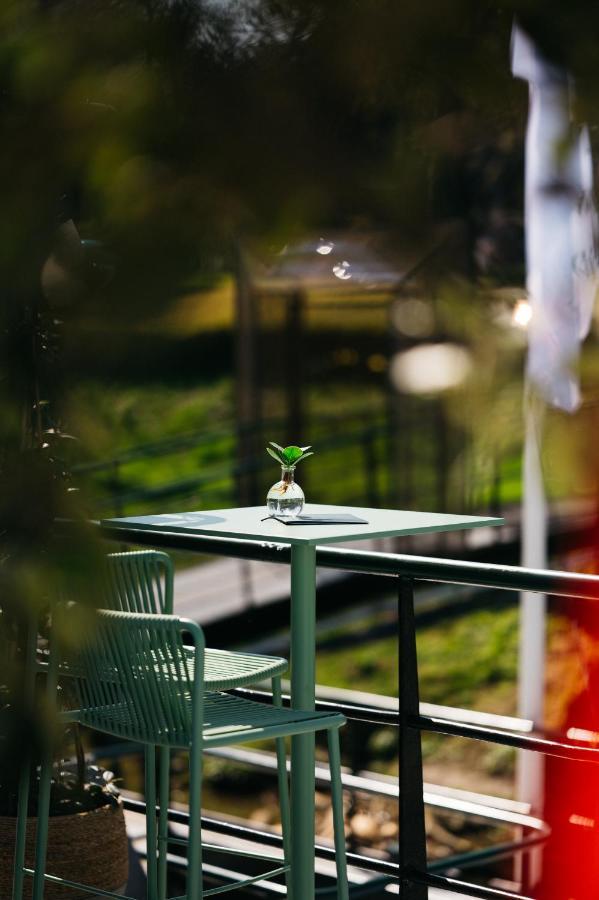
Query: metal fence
{"points": [[355, 464], [411, 870]]}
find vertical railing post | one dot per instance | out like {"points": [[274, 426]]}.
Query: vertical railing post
{"points": [[295, 387], [495, 498], [117, 488], [247, 382], [412, 833], [370, 468]]}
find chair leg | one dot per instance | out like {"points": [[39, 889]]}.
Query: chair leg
{"points": [[163, 798], [194, 851], [25, 773], [21, 830], [41, 844], [43, 813], [338, 820], [150, 793], [283, 785]]}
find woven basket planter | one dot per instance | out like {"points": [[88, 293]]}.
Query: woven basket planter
{"points": [[89, 847]]}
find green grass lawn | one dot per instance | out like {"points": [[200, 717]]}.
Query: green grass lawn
{"points": [[110, 419], [467, 660]]}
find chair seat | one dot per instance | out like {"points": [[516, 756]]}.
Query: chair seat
{"points": [[227, 720], [224, 669]]}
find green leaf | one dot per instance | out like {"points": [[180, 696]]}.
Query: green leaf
{"points": [[292, 454], [278, 446], [306, 448], [276, 456], [305, 456]]}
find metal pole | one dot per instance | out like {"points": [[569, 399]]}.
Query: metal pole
{"points": [[303, 677], [412, 832], [294, 364], [531, 676], [246, 378]]}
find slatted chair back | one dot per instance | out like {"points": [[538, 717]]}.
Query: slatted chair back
{"points": [[139, 581], [138, 681]]}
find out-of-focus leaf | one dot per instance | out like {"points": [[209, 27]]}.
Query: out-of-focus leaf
{"points": [[292, 454], [274, 455]]}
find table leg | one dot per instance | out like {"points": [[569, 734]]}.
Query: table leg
{"points": [[303, 677]]}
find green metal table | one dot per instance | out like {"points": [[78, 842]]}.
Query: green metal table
{"points": [[247, 523]]}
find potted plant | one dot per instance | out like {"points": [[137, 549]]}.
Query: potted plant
{"points": [[285, 499], [87, 840]]}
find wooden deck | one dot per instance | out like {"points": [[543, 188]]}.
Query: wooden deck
{"points": [[224, 587]]}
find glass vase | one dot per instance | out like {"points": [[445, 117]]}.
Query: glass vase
{"points": [[285, 499]]}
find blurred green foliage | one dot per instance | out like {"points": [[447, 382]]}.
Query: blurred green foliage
{"points": [[142, 140]]}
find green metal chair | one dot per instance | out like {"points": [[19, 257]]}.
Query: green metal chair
{"points": [[140, 682], [143, 581]]}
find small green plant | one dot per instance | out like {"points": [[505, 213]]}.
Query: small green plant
{"points": [[288, 456]]}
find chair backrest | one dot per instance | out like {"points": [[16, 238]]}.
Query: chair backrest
{"points": [[137, 680], [139, 581]]}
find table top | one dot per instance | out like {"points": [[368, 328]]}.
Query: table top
{"points": [[245, 522]]}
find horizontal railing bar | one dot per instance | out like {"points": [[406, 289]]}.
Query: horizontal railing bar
{"points": [[373, 887], [388, 870], [365, 889], [492, 814], [232, 850], [483, 806], [367, 783], [548, 746], [167, 446], [233, 829], [355, 712], [477, 717], [464, 802], [484, 732], [212, 892], [228, 875], [237, 548], [488, 854], [383, 867], [76, 885], [197, 440], [358, 698], [365, 704], [501, 804], [181, 817], [422, 568], [464, 887]]}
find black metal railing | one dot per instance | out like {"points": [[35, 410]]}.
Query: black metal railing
{"points": [[413, 718]]}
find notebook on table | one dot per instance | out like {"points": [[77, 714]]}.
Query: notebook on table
{"points": [[323, 519]]}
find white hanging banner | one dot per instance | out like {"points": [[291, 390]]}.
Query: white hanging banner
{"points": [[585, 236], [561, 228], [562, 279]]}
